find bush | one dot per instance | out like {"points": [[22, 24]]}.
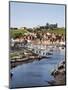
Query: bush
{"points": [[17, 33]]}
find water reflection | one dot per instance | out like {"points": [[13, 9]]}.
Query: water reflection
{"points": [[36, 73]]}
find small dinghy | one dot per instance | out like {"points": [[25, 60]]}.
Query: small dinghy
{"points": [[48, 53]]}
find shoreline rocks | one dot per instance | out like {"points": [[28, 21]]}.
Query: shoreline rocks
{"points": [[59, 74], [20, 61]]}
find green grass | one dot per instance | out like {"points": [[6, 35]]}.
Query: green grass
{"points": [[17, 33], [57, 31], [14, 54]]}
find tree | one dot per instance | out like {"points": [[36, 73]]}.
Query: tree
{"points": [[56, 25], [18, 35], [47, 26], [30, 30], [51, 27]]}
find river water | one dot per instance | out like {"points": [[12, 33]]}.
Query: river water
{"points": [[36, 73]]}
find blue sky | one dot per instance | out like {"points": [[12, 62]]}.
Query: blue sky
{"points": [[32, 14]]}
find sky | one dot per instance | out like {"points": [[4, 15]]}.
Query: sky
{"points": [[33, 14]]}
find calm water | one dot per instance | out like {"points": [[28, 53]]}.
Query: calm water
{"points": [[36, 73]]}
